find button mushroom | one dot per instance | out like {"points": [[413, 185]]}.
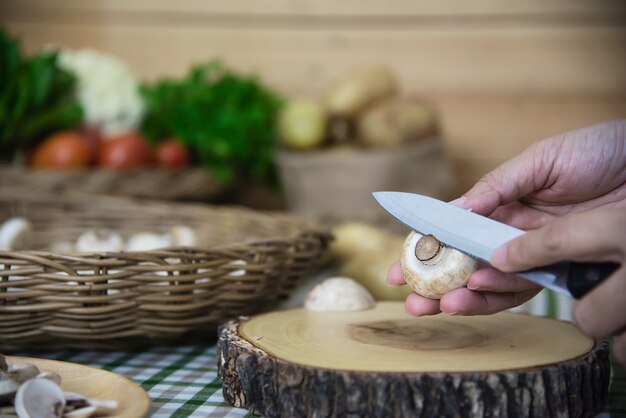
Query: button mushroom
{"points": [[99, 240], [432, 269], [15, 234], [148, 241], [339, 294], [39, 398], [183, 236]]}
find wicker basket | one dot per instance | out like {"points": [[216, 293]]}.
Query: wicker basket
{"points": [[246, 262], [195, 183], [336, 185]]}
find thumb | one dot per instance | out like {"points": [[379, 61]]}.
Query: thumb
{"points": [[524, 174], [595, 235]]}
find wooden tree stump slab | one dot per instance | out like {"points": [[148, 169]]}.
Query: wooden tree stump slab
{"points": [[384, 363]]}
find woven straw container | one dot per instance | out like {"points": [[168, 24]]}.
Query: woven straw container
{"points": [[245, 262], [336, 185], [194, 183]]}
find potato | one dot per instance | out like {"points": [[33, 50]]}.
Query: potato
{"points": [[394, 122], [358, 89], [370, 270], [302, 125], [367, 253], [355, 238]]}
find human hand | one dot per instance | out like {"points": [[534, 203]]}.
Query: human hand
{"points": [[596, 235], [566, 174]]}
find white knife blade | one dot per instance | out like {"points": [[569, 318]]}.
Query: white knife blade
{"points": [[468, 232]]}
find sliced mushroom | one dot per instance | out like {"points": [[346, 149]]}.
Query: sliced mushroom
{"points": [[39, 398], [50, 376], [78, 401], [8, 388], [8, 412], [104, 406], [432, 269], [84, 412], [21, 372]]}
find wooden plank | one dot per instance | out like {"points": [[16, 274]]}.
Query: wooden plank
{"points": [[526, 61], [499, 127], [536, 9]]}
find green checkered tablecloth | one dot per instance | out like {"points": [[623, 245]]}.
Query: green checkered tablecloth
{"points": [[183, 381]]}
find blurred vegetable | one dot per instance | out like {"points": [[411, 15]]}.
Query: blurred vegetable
{"points": [[62, 150], [394, 122], [107, 90], [358, 89], [92, 137], [366, 253], [36, 97], [124, 151], [171, 154], [227, 121], [302, 124]]}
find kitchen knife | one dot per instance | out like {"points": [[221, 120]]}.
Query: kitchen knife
{"points": [[478, 237]]}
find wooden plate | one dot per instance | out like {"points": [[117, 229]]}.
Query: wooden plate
{"points": [[94, 383]]}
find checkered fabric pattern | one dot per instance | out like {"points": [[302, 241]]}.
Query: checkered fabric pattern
{"points": [[183, 382], [180, 381]]}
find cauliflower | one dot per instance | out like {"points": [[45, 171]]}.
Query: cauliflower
{"points": [[107, 90]]}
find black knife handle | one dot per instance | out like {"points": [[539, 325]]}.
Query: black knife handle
{"points": [[582, 277]]}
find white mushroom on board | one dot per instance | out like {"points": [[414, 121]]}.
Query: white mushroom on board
{"points": [[432, 269], [339, 294]]}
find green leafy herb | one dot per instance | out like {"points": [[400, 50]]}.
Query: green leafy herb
{"points": [[226, 120], [36, 97]]}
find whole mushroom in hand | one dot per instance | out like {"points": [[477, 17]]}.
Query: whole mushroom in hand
{"points": [[432, 269]]}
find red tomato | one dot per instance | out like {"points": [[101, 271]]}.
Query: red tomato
{"points": [[171, 154], [62, 150], [91, 136], [124, 151]]}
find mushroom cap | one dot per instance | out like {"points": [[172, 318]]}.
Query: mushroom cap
{"points": [[339, 294], [39, 398], [449, 269], [148, 241], [99, 240], [21, 372], [8, 388], [183, 236], [15, 234]]}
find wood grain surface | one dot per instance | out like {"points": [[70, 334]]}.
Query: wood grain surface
{"points": [[500, 74], [381, 362]]}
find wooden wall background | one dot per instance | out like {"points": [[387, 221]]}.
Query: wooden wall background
{"points": [[501, 73]]}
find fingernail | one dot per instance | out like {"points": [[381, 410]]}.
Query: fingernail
{"points": [[473, 287], [453, 313], [459, 201], [499, 257]]}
